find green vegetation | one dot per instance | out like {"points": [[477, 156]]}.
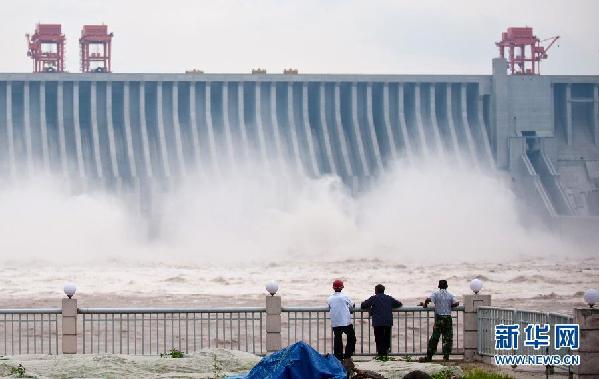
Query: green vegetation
{"points": [[172, 353], [477, 373], [18, 371], [443, 374], [217, 367], [384, 358]]}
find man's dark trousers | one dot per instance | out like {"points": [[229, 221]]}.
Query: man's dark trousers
{"points": [[350, 347], [382, 338]]}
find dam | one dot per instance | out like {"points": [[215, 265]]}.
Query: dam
{"points": [[123, 131]]}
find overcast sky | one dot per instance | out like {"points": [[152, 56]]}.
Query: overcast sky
{"points": [[326, 36]]}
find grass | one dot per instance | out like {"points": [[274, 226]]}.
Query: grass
{"points": [[172, 353], [477, 373], [18, 371], [384, 358], [443, 374]]}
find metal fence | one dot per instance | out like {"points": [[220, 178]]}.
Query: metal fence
{"points": [[488, 317], [152, 331], [30, 331], [412, 327]]}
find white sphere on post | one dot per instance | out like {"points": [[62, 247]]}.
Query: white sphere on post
{"points": [[476, 285], [272, 287], [69, 289], [591, 296]]}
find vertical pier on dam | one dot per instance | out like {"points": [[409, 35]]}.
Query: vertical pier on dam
{"points": [[120, 131]]}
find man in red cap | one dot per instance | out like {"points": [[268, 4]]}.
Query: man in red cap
{"points": [[340, 310]]}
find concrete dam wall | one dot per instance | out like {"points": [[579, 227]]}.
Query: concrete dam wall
{"points": [[119, 131], [122, 128]]}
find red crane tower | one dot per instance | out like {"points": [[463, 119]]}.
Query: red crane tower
{"points": [[524, 50], [95, 46], [47, 47]]}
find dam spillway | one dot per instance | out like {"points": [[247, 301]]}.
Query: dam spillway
{"points": [[117, 131], [122, 127]]}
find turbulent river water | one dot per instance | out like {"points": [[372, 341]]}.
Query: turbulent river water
{"points": [[216, 241]]}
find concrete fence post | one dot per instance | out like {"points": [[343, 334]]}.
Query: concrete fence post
{"points": [[273, 323], [69, 326], [588, 319], [470, 326]]}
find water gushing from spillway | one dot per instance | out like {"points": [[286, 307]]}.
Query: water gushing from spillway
{"points": [[430, 212]]}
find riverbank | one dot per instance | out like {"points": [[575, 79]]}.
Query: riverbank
{"points": [[220, 363], [204, 364]]}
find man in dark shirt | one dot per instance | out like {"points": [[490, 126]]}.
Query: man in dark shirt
{"points": [[381, 307]]}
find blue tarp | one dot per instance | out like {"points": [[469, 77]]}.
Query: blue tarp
{"points": [[298, 361]]}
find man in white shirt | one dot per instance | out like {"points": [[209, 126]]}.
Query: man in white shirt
{"points": [[340, 310]]}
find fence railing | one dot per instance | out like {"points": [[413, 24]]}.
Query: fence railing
{"points": [[152, 331], [30, 331], [489, 317], [412, 327]]}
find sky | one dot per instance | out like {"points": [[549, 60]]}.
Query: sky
{"points": [[326, 36]]}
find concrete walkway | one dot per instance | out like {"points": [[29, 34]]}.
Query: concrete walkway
{"points": [[212, 363]]}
